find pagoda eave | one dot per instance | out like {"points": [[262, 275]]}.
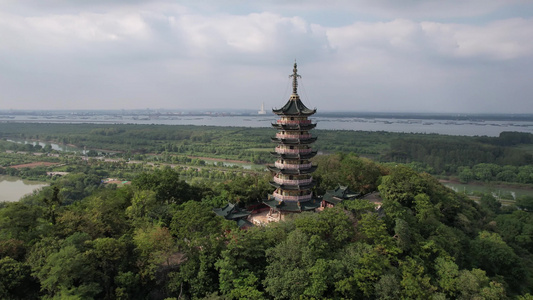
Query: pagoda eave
{"points": [[294, 156], [294, 141], [292, 171], [293, 126], [297, 114], [293, 187]]}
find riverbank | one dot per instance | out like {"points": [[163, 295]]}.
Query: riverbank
{"points": [[507, 191]]}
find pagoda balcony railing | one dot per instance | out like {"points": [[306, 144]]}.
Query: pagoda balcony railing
{"points": [[294, 121], [293, 181], [292, 198], [292, 166], [292, 136], [293, 151]]}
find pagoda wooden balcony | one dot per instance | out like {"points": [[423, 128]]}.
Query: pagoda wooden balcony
{"points": [[293, 121], [293, 181], [309, 140], [292, 171], [293, 136], [292, 166], [280, 150], [292, 198]]}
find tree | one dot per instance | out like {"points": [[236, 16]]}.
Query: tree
{"points": [[466, 175], [525, 203], [402, 185], [415, 283], [15, 280], [489, 202], [492, 254], [155, 247], [68, 271], [200, 236], [22, 222], [167, 186], [287, 275]]}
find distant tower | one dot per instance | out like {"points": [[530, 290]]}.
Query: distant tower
{"points": [[262, 111], [292, 169]]}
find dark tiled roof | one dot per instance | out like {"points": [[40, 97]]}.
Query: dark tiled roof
{"points": [[294, 126], [231, 212], [373, 197], [243, 223], [294, 107], [339, 194]]}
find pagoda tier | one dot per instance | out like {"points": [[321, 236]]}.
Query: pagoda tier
{"points": [[292, 171], [294, 141], [307, 186], [294, 155], [293, 126]]}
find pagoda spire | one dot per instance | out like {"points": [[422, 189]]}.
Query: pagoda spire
{"points": [[295, 77]]}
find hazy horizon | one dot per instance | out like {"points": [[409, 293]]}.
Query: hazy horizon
{"points": [[473, 56]]}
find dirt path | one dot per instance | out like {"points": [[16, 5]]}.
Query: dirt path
{"points": [[34, 164]]}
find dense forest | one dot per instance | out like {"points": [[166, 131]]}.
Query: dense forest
{"points": [[158, 238], [506, 158]]}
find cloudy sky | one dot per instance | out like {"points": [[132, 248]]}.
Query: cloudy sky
{"points": [[358, 55]]}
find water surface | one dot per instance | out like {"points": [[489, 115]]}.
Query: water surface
{"points": [[13, 188]]}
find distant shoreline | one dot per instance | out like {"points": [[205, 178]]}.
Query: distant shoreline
{"points": [[58, 115]]}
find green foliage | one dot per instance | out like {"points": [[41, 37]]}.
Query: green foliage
{"points": [[82, 240], [15, 280], [402, 185], [492, 254], [525, 203], [360, 174], [167, 186]]}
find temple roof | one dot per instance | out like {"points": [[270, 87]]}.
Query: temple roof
{"points": [[294, 106], [231, 212], [339, 194]]}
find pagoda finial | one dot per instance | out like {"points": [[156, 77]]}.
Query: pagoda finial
{"points": [[295, 77]]}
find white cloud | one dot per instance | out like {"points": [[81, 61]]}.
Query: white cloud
{"points": [[170, 54]]}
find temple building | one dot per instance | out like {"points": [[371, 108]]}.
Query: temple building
{"points": [[234, 213], [292, 170], [339, 194]]}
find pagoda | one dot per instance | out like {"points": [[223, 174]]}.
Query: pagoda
{"points": [[292, 169]]}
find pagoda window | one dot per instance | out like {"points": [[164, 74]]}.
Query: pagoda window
{"points": [[292, 147], [290, 177], [292, 118]]}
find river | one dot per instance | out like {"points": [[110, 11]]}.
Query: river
{"points": [[14, 188], [439, 126]]}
